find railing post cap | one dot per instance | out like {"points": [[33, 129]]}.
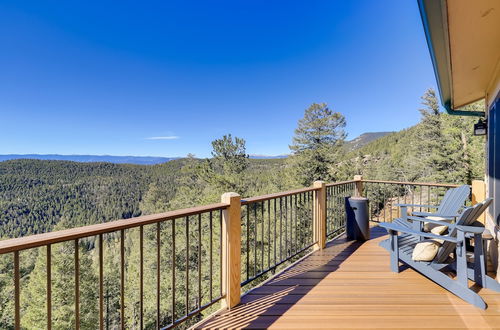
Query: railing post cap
{"points": [[227, 197], [358, 177], [318, 184]]}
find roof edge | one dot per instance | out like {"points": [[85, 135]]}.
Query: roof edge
{"points": [[434, 15]]}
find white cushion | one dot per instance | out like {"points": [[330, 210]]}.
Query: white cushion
{"points": [[426, 250], [434, 228]]}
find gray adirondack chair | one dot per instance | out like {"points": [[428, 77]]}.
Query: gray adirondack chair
{"points": [[453, 201], [401, 247]]}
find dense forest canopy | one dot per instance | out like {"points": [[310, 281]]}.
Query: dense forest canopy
{"points": [[38, 196]]}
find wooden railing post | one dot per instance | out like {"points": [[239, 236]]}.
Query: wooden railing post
{"points": [[319, 221], [358, 192], [479, 195], [231, 250]]}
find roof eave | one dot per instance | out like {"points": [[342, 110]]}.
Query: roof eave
{"points": [[435, 23]]}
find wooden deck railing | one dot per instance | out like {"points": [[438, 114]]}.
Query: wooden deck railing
{"points": [[384, 195], [209, 218], [225, 247], [335, 205], [275, 228]]}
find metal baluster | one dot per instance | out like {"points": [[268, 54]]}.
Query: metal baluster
{"points": [[262, 241], [187, 265], [248, 241], [336, 217], [300, 221], [77, 286], [275, 225], [412, 196], [158, 246], [290, 216], [255, 239], [122, 279], [340, 212], [399, 202], [391, 202], [286, 227], [295, 214], [330, 216], [49, 287], [199, 260], [17, 293], [101, 285], [327, 224], [269, 233], [421, 189], [428, 197], [141, 274], [211, 256], [281, 229], [384, 202], [311, 207], [368, 195], [331, 210], [339, 202], [220, 252], [173, 270], [403, 189], [290, 245]]}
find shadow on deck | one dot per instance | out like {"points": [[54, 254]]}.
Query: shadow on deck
{"points": [[349, 285]]}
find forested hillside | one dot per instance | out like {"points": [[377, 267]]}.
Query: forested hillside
{"points": [[37, 195], [364, 139], [137, 160], [441, 148]]}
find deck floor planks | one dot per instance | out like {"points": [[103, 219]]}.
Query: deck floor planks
{"points": [[350, 285]]}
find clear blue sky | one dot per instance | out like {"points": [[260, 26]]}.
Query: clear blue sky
{"points": [[165, 78]]}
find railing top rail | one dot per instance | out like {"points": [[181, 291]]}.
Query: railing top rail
{"points": [[26, 242], [340, 183], [276, 195], [445, 185]]}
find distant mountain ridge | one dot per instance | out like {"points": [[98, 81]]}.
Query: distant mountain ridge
{"points": [[364, 139], [351, 145], [267, 156], [137, 160]]}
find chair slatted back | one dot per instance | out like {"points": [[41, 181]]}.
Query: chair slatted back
{"points": [[453, 200], [467, 218]]}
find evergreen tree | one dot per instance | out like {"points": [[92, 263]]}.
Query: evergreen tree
{"points": [[317, 145], [445, 144], [63, 310], [430, 143], [204, 182], [229, 160]]}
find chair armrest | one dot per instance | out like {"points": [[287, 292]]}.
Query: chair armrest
{"points": [[394, 227], [487, 235], [417, 205], [437, 222], [429, 214], [471, 229]]}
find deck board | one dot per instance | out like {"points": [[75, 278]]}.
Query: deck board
{"points": [[350, 285]]}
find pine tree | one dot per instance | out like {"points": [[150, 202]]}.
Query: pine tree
{"points": [[316, 145], [204, 182], [229, 160], [430, 143], [63, 310]]}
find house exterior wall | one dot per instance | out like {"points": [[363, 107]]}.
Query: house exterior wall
{"points": [[493, 172]]}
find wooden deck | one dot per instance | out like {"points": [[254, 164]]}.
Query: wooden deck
{"points": [[350, 285]]}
